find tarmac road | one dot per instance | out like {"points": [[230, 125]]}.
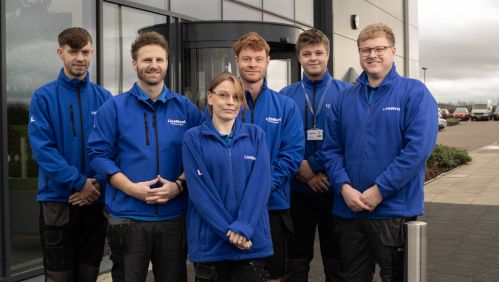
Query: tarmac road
{"points": [[470, 135]]}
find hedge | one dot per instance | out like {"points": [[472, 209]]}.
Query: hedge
{"points": [[444, 158]]}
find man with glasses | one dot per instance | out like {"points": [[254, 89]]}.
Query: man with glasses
{"points": [[280, 119], [380, 133]]}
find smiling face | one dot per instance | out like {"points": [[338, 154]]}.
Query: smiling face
{"points": [[76, 61], [225, 101], [252, 64], [151, 64], [313, 59], [374, 64]]}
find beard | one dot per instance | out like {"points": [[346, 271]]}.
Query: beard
{"points": [[146, 78]]}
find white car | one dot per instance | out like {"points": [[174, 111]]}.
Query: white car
{"points": [[442, 123]]}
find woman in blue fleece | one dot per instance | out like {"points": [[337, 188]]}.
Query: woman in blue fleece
{"points": [[227, 169]]}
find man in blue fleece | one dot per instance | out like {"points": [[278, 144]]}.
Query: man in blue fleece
{"points": [[380, 132], [137, 143], [280, 119], [311, 199], [72, 222]]}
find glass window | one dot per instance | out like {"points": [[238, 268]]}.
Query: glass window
{"points": [[304, 11], [31, 42], [234, 11], [204, 64], [119, 75], [284, 8], [255, 3], [271, 18], [279, 74], [161, 4], [203, 10]]}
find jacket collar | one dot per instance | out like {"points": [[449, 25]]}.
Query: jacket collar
{"points": [[318, 83], [166, 94], [389, 78], [73, 83], [207, 128]]}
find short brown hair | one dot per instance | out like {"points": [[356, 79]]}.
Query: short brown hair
{"points": [[311, 37], [148, 38], [227, 76], [251, 40], [375, 31], [74, 37]]}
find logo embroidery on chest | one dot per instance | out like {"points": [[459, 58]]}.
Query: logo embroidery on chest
{"points": [[249, 157], [176, 122], [391, 109], [273, 120]]}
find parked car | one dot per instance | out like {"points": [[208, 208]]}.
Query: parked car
{"points": [[461, 114], [445, 113], [482, 110], [496, 113], [442, 123]]}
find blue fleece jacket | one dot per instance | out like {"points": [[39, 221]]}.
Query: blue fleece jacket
{"points": [[142, 139], [315, 90], [384, 140], [280, 119], [228, 190], [61, 117]]}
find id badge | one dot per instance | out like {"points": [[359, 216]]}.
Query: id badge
{"points": [[315, 134]]}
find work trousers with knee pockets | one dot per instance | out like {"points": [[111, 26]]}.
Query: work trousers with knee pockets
{"points": [[72, 239]]}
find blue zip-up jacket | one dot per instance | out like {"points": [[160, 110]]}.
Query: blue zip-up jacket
{"points": [[61, 117], [315, 91], [142, 140], [384, 140], [228, 190], [279, 117]]}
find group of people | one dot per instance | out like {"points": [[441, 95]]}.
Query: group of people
{"points": [[242, 187]]}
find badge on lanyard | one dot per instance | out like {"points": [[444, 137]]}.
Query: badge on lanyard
{"points": [[315, 134]]}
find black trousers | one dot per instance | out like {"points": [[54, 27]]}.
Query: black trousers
{"points": [[311, 212], [281, 227], [72, 236], [136, 243], [366, 241], [231, 271]]}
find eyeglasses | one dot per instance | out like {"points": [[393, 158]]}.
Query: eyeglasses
{"points": [[225, 96], [378, 50]]}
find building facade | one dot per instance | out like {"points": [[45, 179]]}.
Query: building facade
{"points": [[200, 33]]}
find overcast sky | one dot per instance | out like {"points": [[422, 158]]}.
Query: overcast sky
{"points": [[459, 44]]}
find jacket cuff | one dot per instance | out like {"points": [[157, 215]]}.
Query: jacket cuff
{"points": [[80, 183], [105, 167], [383, 186], [339, 181], [242, 228], [315, 165]]}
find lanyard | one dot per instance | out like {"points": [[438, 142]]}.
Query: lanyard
{"points": [[321, 102]]}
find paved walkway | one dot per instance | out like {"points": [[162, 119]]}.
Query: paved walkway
{"points": [[462, 211]]}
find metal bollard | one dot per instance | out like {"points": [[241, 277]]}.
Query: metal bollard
{"points": [[415, 245]]}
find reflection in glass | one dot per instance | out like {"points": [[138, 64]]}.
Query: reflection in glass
{"points": [[284, 8], [204, 65], [233, 11], [31, 42], [119, 75], [279, 74], [161, 4], [203, 10]]}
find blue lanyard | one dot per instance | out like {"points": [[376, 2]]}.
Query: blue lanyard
{"points": [[321, 102]]}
